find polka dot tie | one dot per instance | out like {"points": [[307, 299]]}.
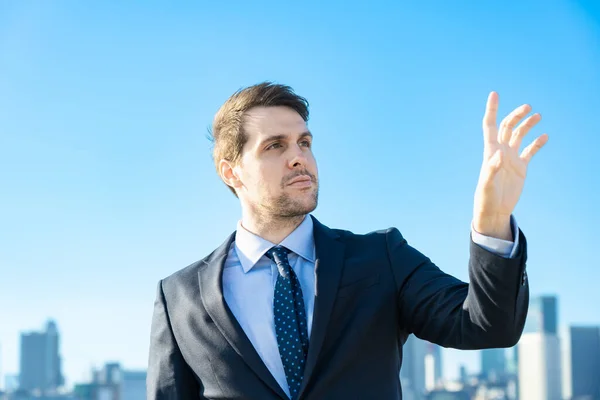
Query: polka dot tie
{"points": [[290, 320]]}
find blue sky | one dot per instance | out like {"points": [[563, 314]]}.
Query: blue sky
{"points": [[108, 183]]}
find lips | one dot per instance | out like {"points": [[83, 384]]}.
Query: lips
{"points": [[301, 181], [301, 178]]}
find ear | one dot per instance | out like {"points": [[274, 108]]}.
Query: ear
{"points": [[228, 173]]}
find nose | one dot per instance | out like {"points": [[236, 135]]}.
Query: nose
{"points": [[298, 157]]}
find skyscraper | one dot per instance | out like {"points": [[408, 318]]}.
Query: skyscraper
{"points": [[539, 367], [581, 362], [493, 363], [435, 353], [412, 371], [40, 360], [133, 385], [512, 362], [542, 315], [463, 374], [539, 352]]}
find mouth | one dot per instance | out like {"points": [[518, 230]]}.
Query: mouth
{"points": [[301, 181]]}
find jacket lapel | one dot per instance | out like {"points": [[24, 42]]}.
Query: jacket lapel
{"points": [[211, 290], [328, 270]]}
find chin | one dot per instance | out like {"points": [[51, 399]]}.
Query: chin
{"points": [[294, 206]]}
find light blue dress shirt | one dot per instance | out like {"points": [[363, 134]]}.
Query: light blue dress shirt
{"points": [[249, 279]]}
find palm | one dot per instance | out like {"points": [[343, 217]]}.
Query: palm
{"points": [[503, 170]]}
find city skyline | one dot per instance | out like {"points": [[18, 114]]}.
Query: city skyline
{"points": [[40, 367], [414, 356], [551, 364], [109, 185]]}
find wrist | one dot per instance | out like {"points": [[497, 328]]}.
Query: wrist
{"points": [[496, 226]]}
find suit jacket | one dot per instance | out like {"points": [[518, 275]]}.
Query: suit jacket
{"points": [[372, 291]]}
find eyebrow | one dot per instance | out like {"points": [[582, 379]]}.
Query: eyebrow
{"points": [[282, 137]]}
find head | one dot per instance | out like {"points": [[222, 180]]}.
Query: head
{"points": [[263, 151]]}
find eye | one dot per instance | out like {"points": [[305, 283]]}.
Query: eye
{"points": [[275, 145], [305, 143]]}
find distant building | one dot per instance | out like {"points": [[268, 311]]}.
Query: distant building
{"points": [[493, 363], [463, 374], [449, 395], [412, 371], [581, 362], [113, 383], [11, 383], [539, 352], [133, 385], [539, 367], [542, 315], [433, 372], [109, 375], [84, 391], [40, 370], [512, 362], [21, 395]]}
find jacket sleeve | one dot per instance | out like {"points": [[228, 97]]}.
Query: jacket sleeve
{"points": [[489, 312], [169, 377]]}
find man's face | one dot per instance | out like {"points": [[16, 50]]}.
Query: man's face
{"points": [[278, 172]]}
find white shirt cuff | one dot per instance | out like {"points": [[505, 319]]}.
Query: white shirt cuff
{"points": [[504, 248]]}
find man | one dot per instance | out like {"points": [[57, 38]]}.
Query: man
{"points": [[289, 308]]}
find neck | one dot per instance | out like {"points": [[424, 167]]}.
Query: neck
{"points": [[271, 228]]}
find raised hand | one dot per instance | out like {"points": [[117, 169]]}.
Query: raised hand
{"points": [[504, 169]]}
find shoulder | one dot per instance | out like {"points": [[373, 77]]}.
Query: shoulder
{"points": [[188, 276], [184, 274], [381, 240], [380, 235], [181, 283], [182, 288]]}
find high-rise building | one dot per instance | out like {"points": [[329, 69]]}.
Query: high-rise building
{"points": [[133, 385], [412, 371], [542, 315], [581, 362], [512, 361], [421, 369], [463, 374], [40, 369], [539, 367], [493, 363], [433, 365], [539, 350]]}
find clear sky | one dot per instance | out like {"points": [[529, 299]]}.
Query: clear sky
{"points": [[106, 178]]}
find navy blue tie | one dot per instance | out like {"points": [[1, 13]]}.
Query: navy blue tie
{"points": [[290, 320]]}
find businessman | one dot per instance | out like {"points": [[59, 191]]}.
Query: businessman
{"points": [[288, 308]]}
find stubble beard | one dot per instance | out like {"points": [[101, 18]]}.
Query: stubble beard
{"points": [[288, 207]]}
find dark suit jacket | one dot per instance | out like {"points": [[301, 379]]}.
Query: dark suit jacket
{"points": [[372, 292]]}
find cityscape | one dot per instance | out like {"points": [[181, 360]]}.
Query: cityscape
{"points": [[548, 363], [109, 182], [40, 374]]}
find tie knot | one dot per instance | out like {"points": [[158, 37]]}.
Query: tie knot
{"points": [[277, 252], [279, 255]]}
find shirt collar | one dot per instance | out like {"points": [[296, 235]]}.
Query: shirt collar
{"points": [[250, 247]]}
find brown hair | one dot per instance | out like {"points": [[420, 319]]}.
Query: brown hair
{"points": [[227, 132]]}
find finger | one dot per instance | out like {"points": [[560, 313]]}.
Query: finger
{"points": [[522, 130], [490, 130], [508, 124], [534, 147], [493, 166]]}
